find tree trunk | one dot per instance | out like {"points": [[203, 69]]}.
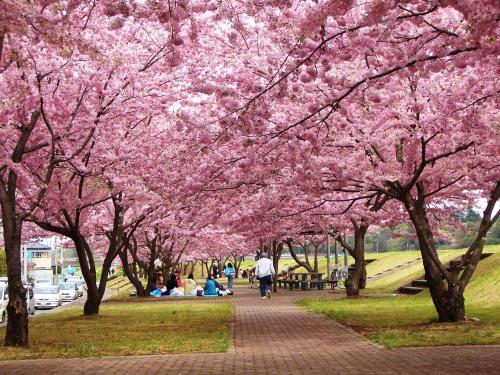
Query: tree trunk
{"points": [[204, 266], [132, 276], [306, 265], [277, 250], [316, 246], [357, 274], [106, 266], [362, 279], [93, 302], [16, 333], [87, 266], [449, 304], [237, 265]]}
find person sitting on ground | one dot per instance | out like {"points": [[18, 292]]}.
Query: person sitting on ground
{"points": [[154, 285], [210, 288], [177, 292], [190, 286], [171, 284], [221, 291], [244, 275], [160, 284], [179, 280]]}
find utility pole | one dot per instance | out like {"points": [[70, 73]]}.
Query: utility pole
{"points": [[328, 262], [62, 261], [346, 264], [24, 251], [336, 255]]}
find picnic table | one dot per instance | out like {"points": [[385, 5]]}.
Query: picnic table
{"points": [[303, 280]]}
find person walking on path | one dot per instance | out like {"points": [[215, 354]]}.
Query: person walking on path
{"points": [[229, 273], [264, 271]]}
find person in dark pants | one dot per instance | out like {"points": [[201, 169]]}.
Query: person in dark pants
{"points": [[264, 271], [215, 271]]}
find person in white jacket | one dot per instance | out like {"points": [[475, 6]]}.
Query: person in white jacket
{"points": [[264, 271]]}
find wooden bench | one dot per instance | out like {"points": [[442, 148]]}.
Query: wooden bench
{"points": [[322, 283], [303, 283], [284, 283]]}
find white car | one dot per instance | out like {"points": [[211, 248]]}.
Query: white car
{"points": [[4, 300], [69, 291], [78, 281], [47, 297], [43, 282]]}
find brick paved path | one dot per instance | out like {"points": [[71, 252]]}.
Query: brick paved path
{"points": [[275, 337]]}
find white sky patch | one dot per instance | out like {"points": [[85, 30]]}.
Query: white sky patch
{"points": [[481, 205]]}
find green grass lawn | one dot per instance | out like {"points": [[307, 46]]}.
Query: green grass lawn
{"points": [[128, 329], [396, 321], [393, 280]]}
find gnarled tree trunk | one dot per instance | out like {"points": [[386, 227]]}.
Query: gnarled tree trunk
{"points": [[16, 333], [301, 263], [447, 286], [357, 275], [131, 275], [277, 249]]}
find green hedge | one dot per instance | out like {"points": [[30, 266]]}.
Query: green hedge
{"points": [[3, 263]]}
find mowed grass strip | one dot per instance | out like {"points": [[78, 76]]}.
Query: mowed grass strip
{"points": [[397, 321], [409, 321], [128, 329]]}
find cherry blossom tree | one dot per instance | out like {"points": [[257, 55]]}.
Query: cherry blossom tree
{"points": [[60, 73]]}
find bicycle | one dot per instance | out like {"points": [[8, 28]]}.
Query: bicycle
{"points": [[339, 277]]}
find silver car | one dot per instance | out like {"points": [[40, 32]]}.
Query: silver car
{"points": [[78, 281], [69, 291]]}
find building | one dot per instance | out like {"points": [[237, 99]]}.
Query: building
{"points": [[38, 261]]}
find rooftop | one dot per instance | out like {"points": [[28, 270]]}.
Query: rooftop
{"points": [[37, 246]]}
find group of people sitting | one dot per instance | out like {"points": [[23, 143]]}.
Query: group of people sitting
{"points": [[174, 287]]}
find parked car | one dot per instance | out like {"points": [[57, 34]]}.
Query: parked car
{"points": [[47, 297], [30, 299], [44, 282], [4, 300], [69, 291], [78, 281]]}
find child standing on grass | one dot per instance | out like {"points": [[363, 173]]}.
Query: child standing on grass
{"points": [[251, 278]]}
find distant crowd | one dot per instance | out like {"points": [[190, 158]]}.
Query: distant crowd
{"points": [[177, 287]]}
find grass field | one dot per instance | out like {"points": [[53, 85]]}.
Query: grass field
{"points": [[382, 262], [128, 329], [391, 281], [397, 321]]}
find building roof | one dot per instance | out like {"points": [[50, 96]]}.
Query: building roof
{"points": [[37, 246]]}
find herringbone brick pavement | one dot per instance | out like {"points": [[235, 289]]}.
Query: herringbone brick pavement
{"points": [[276, 337]]}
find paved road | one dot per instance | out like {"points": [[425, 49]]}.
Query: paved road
{"points": [[276, 337], [65, 305]]}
